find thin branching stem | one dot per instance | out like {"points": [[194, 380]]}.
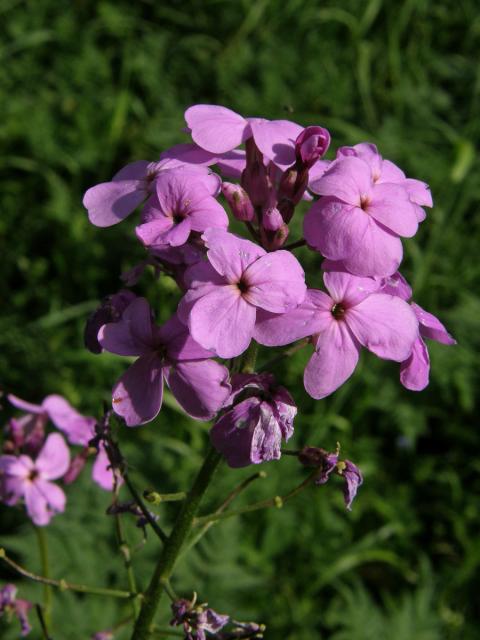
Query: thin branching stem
{"points": [[63, 584], [276, 501]]}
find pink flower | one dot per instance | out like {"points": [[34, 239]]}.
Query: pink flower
{"points": [[109, 203], [182, 203], [22, 477], [78, 429], [360, 221], [386, 171], [225, 293], [351, 315], [168, 352]]}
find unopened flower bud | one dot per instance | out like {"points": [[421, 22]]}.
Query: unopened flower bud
{"points": [[272, 219], [238, 201], [273, 240], [311, 145], [255, 178]]}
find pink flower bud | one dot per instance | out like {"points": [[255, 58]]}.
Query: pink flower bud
{"points": [[272, 219], [311, 145], [238, 201]]}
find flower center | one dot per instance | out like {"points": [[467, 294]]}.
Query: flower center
{"points": [[33, 475], [337, 311], [177, 218], [364, 201], [242, 286]]}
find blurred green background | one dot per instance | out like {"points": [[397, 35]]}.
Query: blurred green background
{"points": [[87, 87]]}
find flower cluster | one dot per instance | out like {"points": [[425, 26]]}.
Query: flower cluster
{"points": [[237, 290], [32, 459]]}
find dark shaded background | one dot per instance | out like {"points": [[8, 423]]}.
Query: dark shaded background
{"points": [[86, 87]]}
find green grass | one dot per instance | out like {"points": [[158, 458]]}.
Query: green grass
{"points": [[85, 88]]}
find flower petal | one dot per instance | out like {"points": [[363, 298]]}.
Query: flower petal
{"points": [[230, 255], [414, 372], [345, 287], [385, 325], [276, 282], [23, 405], [347, 179], [200, 387], [343, 232], [43, 500], [223, 321], [54, 458], [133, 334], [101, 472], [109, 203], [137, 396], [391, 207], [276, 139], [431, 327], [310, 317], [333, 362], [78, 429], [215, 128]]}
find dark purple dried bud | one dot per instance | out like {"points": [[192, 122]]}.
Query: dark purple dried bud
{"points": [[11, 605], [353, 479], [318, 457], [311, 145], [238, 201], [110, 310], [260, 416]]}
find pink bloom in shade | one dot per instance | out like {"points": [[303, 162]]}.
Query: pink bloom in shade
{"points": [[360, 221], [259, 417], [78, 429], [11, 605], [199, 384], [182, 204], [226, 293], [22, 477], [25, 434], [414, 372], [109, 203], [351, 315], [110, 310], [220, 130]]}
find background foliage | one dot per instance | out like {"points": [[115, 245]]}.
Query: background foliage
{"points": [[87, 86]]}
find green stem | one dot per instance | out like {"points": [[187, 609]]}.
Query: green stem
{"points": [[127, 561], [63, 584], [250, 358], [136, 496], [231, 496], [173, 546], [276, 501], [43, 624], [156, 498], [294, 245], [47, 589]]}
